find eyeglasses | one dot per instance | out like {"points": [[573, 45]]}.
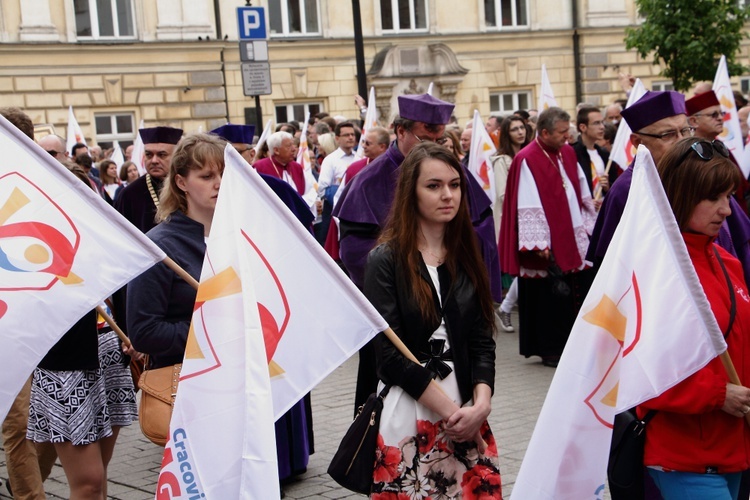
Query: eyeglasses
{"points": [[715, 115], [442, 141], [705, 150], [52, 152], [672, 134]]}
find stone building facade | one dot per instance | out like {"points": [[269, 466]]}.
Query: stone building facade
{"points": [[177, 62]]}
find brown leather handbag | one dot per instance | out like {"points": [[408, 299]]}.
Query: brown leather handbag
{"points": [[159, 388]]}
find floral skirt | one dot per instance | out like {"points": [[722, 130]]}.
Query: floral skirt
{"points": [[415, 460]]}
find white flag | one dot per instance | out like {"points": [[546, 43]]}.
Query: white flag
{"points": [[623, 151], [138, 151], [482, 148], [303, 158], [117, 157], [429, 88], [630, 342], [53, 231], [371, 120], [263, 137], [254, 317], [222, 429], [731, 136], [75, 134], [546, 96]]}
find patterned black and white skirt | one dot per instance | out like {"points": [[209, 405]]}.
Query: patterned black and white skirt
{"points": [[82, 406]]}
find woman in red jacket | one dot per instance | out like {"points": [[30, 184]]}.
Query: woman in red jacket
{"points": [[698, 443]]}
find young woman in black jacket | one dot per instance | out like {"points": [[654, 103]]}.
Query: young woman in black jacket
{"points": [[428, 281]]}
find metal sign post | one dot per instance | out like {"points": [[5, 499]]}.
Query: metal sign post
{"points": [[256, 70]]}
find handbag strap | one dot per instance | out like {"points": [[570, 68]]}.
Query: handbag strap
{"points": [[733, 308]]}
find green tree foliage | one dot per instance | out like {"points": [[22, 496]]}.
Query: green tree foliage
{"points": [[689, 37]]}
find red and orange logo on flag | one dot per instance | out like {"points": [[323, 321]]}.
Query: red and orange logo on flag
{"points": [[609, 318], [38, 240]]}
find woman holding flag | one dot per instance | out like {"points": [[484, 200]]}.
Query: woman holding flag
{"points": [[697, 439], [428, 280], [160, 303]]}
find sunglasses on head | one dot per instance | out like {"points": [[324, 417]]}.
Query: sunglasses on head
{"points": [[705, 150]]}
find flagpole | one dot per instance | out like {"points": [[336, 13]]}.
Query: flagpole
{"points": [[111, 322], [180, 272], [734, 378]]}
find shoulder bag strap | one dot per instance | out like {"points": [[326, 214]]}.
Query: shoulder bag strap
{"points": [[733, 308]]}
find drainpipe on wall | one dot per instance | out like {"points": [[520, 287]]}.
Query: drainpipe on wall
{"points": [[577, 54], [220, 38]]}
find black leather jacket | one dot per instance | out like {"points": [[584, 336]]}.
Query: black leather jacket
{"points": [[471, 340]]}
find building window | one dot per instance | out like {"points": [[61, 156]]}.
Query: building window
{"points": [[507, 102], [293, 17], [506, 13], [296, 111], [403, 15], [745, 84], [97, 19], [114, 129], [662, 86]]}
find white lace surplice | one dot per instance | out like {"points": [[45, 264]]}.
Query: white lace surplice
{"points": [[533, 227]]}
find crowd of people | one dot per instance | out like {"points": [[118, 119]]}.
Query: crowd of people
{"points": [[445, 265]]}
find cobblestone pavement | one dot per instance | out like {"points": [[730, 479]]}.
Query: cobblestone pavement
{"points": [[520, 387]]}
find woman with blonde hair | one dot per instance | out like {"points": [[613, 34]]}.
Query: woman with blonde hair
{"points": [[160, 303]]}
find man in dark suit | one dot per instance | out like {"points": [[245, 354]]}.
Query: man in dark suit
{"points": [[592, 157]]}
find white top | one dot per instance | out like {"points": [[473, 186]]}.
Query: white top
{"points": [[333, 168]]}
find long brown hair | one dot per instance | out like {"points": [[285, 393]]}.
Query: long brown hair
{"points": [[402, 231], [103, 175], [506, 143], [688, 179]]}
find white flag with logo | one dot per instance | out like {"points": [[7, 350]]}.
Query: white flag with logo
{"points": [[75, 134], [480, 151], [731, 136], [254, 319], [303, 158], [54, 230], [546, 96], [623, 151], [371, 120], [630, 342], [222, 438]]}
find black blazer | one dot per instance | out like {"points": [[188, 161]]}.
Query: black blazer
{"points": [[471, 340], [584, 160]]}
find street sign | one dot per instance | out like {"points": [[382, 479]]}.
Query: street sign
{"points": [[252, 23], [253, 50], [256, 78]]}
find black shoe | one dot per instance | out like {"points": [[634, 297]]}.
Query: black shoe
{"points": [[550, 361]]}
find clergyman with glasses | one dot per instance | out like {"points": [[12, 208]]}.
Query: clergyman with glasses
{"points": [[658, 120], [366, 201]]}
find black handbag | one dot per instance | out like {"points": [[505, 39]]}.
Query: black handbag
{"points": [[625, 467], [353, 463]]}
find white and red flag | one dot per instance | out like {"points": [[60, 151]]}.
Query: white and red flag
{"points": [[371, 120], [480, 151], [623, 151], [75, 134], [546, 96], [138, 151], [645, 326], [303, 158], [53, 232], [731, 136], [263, 136], [255, 327]]}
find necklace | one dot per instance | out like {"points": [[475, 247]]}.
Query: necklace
{"points": [[152, 191], [439, 260], [559, 158], [276, 169]]}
